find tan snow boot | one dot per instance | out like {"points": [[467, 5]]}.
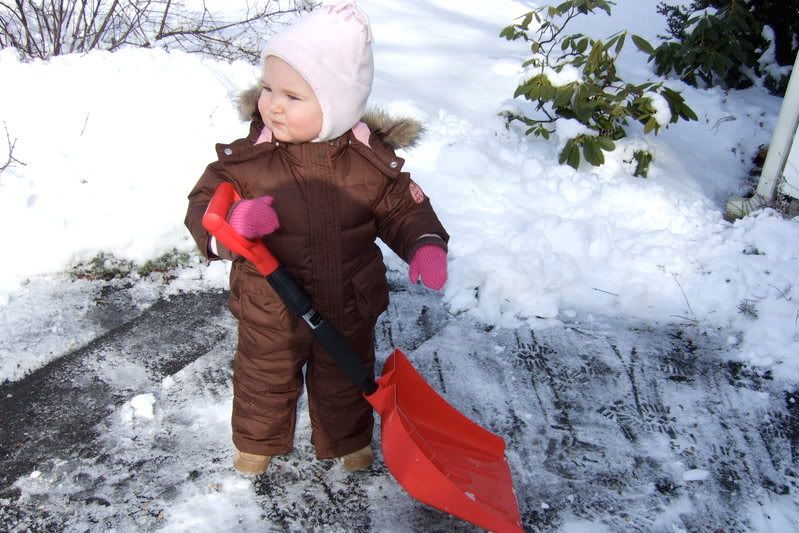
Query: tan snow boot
{"points": [[250, 463], [358, 460]]}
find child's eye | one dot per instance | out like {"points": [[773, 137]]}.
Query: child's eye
{"points": [[267, 89], [292, 97]]}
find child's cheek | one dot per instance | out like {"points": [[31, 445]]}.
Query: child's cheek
{"points": [[263, 104]]}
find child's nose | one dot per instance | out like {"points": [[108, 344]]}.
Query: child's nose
{"points": [[276, 105]]}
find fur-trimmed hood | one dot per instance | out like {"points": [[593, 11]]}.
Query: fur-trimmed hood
{"points": [[396, 132]]}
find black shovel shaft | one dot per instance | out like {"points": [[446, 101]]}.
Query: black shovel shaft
{"points": [[331, 340]]}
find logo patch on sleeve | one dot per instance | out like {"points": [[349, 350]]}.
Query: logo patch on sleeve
{"points": [[416, 192]]}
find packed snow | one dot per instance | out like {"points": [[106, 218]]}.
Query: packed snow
{"points": [[112, 143]]}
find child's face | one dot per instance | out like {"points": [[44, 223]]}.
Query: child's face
{"points": [[288, 105]]}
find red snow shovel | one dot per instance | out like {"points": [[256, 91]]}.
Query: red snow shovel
{"points": [[439, 456]]}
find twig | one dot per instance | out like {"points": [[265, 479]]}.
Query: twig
{"points": [[720, 121], [606, 292], [84, 124], [11, 159], [695, 321], [683, 293], [779, 291]]}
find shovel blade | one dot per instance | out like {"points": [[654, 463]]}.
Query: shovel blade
{"points": [[439, 456]]}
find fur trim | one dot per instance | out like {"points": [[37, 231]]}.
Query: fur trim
{"points": [[248, 102], [396, 132]]}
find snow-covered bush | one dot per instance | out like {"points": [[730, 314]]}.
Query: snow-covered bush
{"points": [[42, 29], [573, 78], [730, 43]]}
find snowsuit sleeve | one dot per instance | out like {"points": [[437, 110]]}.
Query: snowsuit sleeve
{"points": [[405, 218], [199, 197]]}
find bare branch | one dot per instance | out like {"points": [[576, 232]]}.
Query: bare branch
{"points": [[45, 28], [105, 22], [163, 19]]}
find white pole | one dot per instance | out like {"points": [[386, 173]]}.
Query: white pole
{"points": [[787, 123]]}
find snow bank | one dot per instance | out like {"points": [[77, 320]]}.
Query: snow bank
{"points": [[112, 144]]}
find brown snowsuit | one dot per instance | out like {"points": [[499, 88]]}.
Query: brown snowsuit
{"points": [[333, 199]]}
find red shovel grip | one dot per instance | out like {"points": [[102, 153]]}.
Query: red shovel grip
{"points": [[215, 221]]}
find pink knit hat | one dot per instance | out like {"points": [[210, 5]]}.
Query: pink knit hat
{"points": [[331, 48]]}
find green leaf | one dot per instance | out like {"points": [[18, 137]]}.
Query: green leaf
{"points": [[610, 43], [528, 18], [570, 154], [593, 154], [687, 113], [564, 7], [582, 110], [564, 154], [606, 144], [643, 45], [521, 89], [620, 43], [582, 45], [563, 95], [594, 58], [651, 125], [547, 90], [574, 157]]}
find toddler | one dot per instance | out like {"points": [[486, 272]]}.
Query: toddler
{"points": [[319, 182]]}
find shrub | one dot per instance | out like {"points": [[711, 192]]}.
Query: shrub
{"points": [[574, 77], [106, 266], [42, 29], [103, 266], [166, 263], [730, 43]]}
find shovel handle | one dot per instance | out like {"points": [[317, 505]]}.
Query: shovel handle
{"points": [[296, 300], [215, 221]]}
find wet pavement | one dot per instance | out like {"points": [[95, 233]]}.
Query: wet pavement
{"points": [[634, 426]]}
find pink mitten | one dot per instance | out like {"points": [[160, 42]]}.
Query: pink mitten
{"points": [[429, 262], [253, 218]]}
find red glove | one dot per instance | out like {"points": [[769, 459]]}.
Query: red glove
{"points": [[253, 218], [429, 262]]}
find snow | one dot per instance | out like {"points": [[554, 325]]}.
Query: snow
{"points": [[773, 518], [567, 129], [695, 475], [568, 73], [662, 110], [141, 406], [583, 526], [699, 15], [112, 143]]}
